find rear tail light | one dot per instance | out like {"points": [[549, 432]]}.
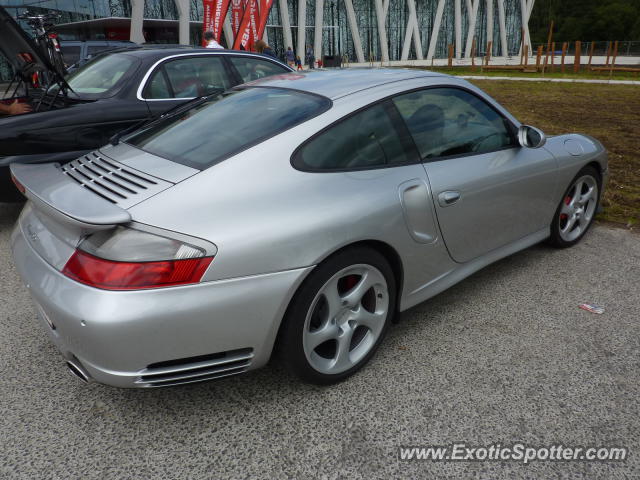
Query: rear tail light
{"points": [[18, 185], [128, 259]]}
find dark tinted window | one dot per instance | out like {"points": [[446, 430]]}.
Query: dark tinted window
{"points": [[367, 139], [70, 54], [251, 68], [449, 121], [188, 78], [93, 49], [101, 76], [216, 129]]}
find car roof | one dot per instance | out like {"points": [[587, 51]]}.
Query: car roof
{"points": [[160, 51], [336, 83]]}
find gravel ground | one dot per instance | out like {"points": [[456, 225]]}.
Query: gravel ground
{"points": [[504, 357]]}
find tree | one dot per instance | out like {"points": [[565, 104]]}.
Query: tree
{"points": [[586, 20]]}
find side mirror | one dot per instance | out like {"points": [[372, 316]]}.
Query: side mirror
{"points": [[531, 137]]}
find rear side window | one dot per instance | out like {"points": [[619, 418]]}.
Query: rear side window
{"points": [[251, 68], [368, 139], [188, 78], [221, 127]]}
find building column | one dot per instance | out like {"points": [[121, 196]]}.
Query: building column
{"points": [[286, 24], [302, 28], [436, 30], [382, 31], [472, 18], [317, 37], [183, 21], [503, 29], [355, 33], [457, 7], [137, 14], [489, 25]]}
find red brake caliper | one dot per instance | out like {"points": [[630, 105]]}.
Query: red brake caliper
{"points": [[567, 201], [350, 281]]}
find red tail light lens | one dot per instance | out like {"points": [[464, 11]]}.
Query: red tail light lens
{"points": [[111, 275], [18, 185]]}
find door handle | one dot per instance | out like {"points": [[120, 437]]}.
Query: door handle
{"points": [[448, 198]]}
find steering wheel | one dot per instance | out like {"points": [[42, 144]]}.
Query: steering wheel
{"points": [[481, 140]]}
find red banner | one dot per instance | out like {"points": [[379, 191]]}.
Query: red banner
{"points": [[265, 7], [219, 14], [253, 24], [207, 18], [244, 37], [255, 19], [237, 9]]}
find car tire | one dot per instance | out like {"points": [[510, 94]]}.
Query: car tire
{"points": [[338, 316], [577, 209]]}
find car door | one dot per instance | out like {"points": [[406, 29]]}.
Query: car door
{"points": [[180, 79], [488, 191]]}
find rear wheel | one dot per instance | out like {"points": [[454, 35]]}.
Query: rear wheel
{"points": [[339, 316], [577, 209]]}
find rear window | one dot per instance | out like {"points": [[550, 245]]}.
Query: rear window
{"points": [[101, 76], [221, 127]]}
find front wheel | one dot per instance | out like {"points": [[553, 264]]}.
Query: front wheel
{"points": [[339, 316], [577, 209]]}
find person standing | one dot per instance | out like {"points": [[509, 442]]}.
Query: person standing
{"points": [[309, 58], [290, 57], [263, 48], [211, 40]]}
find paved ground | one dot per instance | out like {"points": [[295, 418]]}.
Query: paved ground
{"points": [[505, 356]]}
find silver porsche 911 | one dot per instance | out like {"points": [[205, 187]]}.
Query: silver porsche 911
{"points": [[298, 213]]}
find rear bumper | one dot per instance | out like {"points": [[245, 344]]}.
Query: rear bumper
{"points": [[229, 326]]}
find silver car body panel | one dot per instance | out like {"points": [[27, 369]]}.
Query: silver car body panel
{"points": [[272, 224]]}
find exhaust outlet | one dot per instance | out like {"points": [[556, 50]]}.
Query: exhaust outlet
{"points": [[78, 371]]}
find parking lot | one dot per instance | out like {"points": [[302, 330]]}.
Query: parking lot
{"points": [[504, 357]]}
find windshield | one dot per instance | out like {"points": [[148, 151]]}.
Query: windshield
{"points": [[99, 77], [226, 125]]}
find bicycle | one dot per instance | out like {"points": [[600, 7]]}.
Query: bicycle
{"points": [[47, 40]]}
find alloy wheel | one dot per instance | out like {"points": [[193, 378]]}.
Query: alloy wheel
{"points": [[578, 208], [345, 319]]}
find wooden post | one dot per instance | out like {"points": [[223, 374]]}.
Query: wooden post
{"points": [[526, 55], [487, 57], [450, 61], [473, 53], [593, 45], [553, 53], [539, 57], [576, 60], [608, 53], [613, 61], [564, 54]]}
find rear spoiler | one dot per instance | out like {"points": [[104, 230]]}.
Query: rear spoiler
{"points": [[58, 195]]}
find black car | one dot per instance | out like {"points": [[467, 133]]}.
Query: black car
{"points": [[110, 93], [77, 53]]}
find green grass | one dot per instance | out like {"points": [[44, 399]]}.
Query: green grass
{"points": [[583, 74]]}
